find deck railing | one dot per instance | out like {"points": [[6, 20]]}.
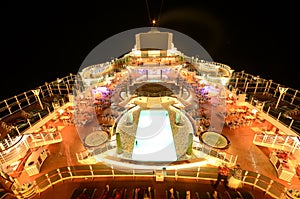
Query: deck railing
{"points": [[23, 100], [12, 137], [48, 180], [285, 143], [14, 153], [287, 113]]}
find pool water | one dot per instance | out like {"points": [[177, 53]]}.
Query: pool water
{"points": [[154, 137]]}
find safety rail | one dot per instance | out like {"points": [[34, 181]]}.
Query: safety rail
{"points": [[48, 180], [12, 136], [19, 153], [14, 153], [94, 71], [10, 142], [21, 101], [85, 155], [15, 148], [285, 143], [42, 139], [254, 86], [222, 155], [210, 66]]}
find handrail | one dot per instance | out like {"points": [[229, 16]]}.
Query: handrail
{"points": [[280, 142], [43, 182], [240, 81], [21, 101]]}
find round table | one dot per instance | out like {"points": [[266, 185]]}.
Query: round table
{"points": [[214, 139], [96, 138]]}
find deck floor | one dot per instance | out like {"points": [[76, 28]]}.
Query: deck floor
{"points": [[251, 157]]}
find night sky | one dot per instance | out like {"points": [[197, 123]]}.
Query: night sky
{"points": [[42, 41]]}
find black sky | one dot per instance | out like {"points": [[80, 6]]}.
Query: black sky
{"points": [[42, 41]]}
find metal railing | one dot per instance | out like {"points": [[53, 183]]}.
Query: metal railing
{"points": [[48, 180], [285, 143], [267, 94]]}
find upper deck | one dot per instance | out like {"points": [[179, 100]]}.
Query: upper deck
{"points": [[78, 119]]}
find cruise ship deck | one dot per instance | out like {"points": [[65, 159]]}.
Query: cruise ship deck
{"points": [[74, 136]]}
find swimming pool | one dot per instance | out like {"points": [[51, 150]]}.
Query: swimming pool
{"points": [[154, 138]]}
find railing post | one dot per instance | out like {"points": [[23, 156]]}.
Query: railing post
{"points": [[28, 102], [198, 172], [26, 144], [236, 82], [295, 146], [70, 172], [77, 156], [92, 172], [294, 96], [264, 138], [291, 124], [278, 116], [10, 137], [3, 160], [268, 110], [230, 159], [36, 187], [275, 139], [235, 160], [20, 107], [42, 92], [43, 137], [224, 158], [286, 140], [67, 86], [7, 143], [8, 107], [47, 176], [40, 116], [266, 87], [28, 121], [59, 173], [245, 82], [58, 85], [133, 173], [112, 171], [48, 109], [81, 154], [254, 139], [256, 179]]}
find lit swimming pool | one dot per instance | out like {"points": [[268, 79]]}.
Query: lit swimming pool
{"points": [[154, 138]]}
